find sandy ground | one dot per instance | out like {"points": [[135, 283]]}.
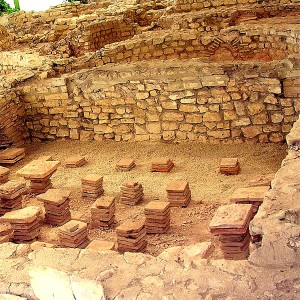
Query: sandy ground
{"points": [[195, 162]]}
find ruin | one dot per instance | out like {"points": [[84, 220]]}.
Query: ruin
{"points": [[193, 102]]}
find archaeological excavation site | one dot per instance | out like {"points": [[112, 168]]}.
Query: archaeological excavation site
{"points": [[149, 150]]}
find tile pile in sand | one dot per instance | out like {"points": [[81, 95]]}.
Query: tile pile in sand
{"points": [[39, 173], [103, 212], [6, 233], [75, 161], [92, 186], [11, 155], [179, 193], [11, 195], [57, 206], [73, 234], [250, 195], [262, 180], [162, 165], [131, 192], [125, 164], [25, 223], [229, 166], [98, 245], [231, 223], [157, 216], [131, 236], [4, 174]]}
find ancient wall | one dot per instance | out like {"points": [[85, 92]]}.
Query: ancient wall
{"points": [[209, 102], [12, 114]]}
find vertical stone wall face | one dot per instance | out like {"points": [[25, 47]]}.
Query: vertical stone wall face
{"points": [[216, 104], [12, 114]]}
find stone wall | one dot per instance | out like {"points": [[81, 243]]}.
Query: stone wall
{"points": [[208, 103], [12, 114]]}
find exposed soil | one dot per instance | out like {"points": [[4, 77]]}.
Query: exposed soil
{"points": [[195, 162]]}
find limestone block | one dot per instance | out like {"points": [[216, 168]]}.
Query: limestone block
{"points": [[260, 119], [194, 118], [121, 129], [63, 132], [86, 135], [154, 127], [169, 126], [188, 108], [215, 80], [255, 108], [271, 99], [211, 117], [172, 116], [251, 131], [219, 134], [240, 108], [168, 135], [169, 104], [276, 117], [102, 129]]}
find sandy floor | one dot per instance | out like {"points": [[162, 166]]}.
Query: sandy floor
{"points": [[195, 162]]}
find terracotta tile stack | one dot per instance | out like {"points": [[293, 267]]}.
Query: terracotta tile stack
{"points": [[11, 196], [11, 155], [6, 233], [92, 186], [231, 223], [57, 206], [4, 173], [125, 164], [39, 173], [161, 165], [263, 180], [250, 195], [157, 217], [179, 193], [75, 161], [25, 223], [131, 236], [229, 166], [73, 234], [131, 192], [103, 212], [98, 245]]}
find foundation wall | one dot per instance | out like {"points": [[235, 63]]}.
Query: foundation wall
{"points": [[209, 103]]}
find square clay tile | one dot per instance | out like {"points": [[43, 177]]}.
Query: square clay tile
{"points": [[130, 226], [38, 169], [161, 161], [157, 206], [98, 245], [130, 183], [73, 228], [11, 187], [75, 160], [4, 171], [125, 162], [56, 196], [11, 153], [231, 216], [250, 194], [92, 178], [229, 162], [104, 202], [177, 186], [25, 215]]}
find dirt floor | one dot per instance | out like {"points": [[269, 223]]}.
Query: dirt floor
{"points": [[195, 162]]}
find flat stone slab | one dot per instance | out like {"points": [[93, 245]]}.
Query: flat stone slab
{"points": [[24, 215], [157, 206], [229, 162], [249, 194], [11, 187], [232, 216], [55, 196], [125, 162], [92, 179], [11, 153], [104, 202], [98, 245], [38, 169]]}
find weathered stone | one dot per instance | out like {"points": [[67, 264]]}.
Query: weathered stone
{"points": [[255, 108], [211, 117], [251, 131], [153, 127]]}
